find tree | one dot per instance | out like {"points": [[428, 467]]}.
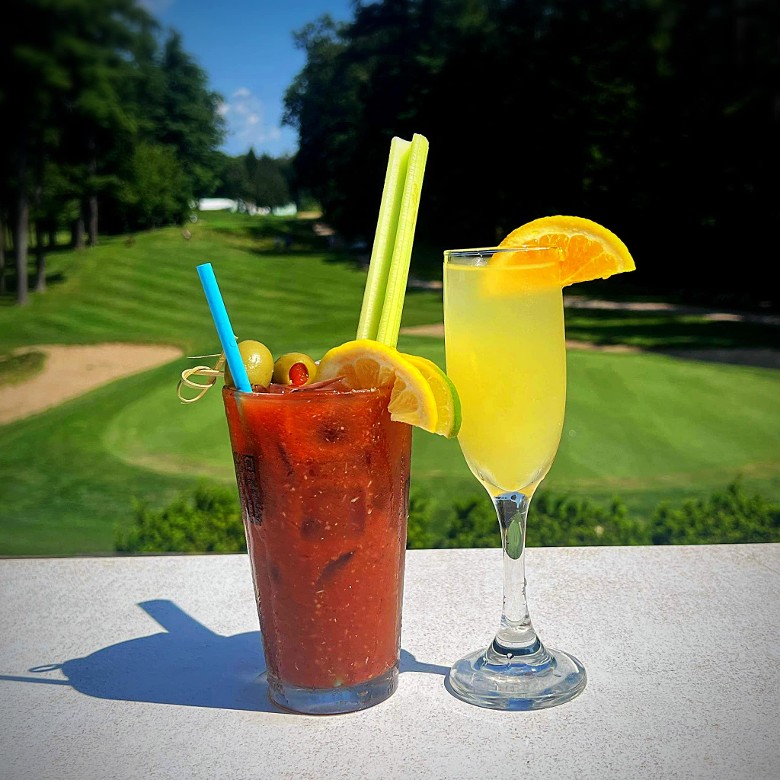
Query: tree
{"points": [[188, 119], [28, 103], [152, 191], [232, 178], [98, 120], [268, 185], [710, 142], [318, 110], [2, 252], [177, 125], [650, 116], [63, 63], [51, 200], [90, 100]]}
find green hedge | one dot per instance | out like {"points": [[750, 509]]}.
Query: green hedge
{"points": [[206, 520], [553, 522], [209, 520], [729, 517]]}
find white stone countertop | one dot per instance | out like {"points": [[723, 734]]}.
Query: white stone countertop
{"points": [[147, 667]]}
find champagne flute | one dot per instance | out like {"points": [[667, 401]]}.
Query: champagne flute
{"points": [[506, 353]]}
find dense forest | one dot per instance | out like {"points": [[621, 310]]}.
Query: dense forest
{"points": [[658, 118], [110, 126]]}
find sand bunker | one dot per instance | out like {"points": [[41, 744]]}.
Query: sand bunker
{"points": [[70, 371]]}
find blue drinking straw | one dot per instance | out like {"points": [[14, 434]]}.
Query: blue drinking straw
{"points": [[224, 330]]}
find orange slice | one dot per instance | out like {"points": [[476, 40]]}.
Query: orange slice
{"points": [[588, 250]]}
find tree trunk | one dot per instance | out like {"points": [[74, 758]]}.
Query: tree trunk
{"points": [[92, 201], [77, 233], [40, 259], [21, 232], [92, 219], [52, 234], [2, 255], [20, 240]]}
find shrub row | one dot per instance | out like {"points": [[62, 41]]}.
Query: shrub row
{"points": [[208, 519]]}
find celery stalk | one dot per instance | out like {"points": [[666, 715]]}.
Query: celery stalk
{"points": [[390, 321], [384, 239]]}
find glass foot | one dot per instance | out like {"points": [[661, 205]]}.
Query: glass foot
{"points": [[332, 701], [500, 680]]}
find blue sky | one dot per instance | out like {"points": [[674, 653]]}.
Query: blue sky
{"points": [[246, 48]]}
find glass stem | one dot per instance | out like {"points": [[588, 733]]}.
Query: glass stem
{"points": [[516, 635]]}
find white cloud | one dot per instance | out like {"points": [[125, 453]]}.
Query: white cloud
{"points": [[244, 114]]}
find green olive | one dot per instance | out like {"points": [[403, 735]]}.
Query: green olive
{"points": [[258, 361], [294, 368]]}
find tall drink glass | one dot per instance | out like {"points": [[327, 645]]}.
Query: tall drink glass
{"points": [[323, 477], [505, 346]]}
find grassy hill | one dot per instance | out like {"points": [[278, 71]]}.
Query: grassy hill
{"points": [[641, 425]]}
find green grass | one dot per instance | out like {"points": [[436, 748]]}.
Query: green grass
{"points": [[642, 426]]}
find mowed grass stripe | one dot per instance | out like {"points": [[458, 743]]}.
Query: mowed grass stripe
{"points": [[278, 280], [93, 323]]}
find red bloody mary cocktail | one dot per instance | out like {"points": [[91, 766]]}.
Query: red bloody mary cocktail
{"points": [[322, 453], [323, 476]]}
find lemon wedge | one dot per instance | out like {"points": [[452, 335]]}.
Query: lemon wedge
{"points": [[365, 364]]}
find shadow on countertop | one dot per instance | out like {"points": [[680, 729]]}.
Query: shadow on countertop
{"points": [[187, 664]]}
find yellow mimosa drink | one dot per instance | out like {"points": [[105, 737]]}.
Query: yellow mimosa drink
{"points": [[506, 355]]}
